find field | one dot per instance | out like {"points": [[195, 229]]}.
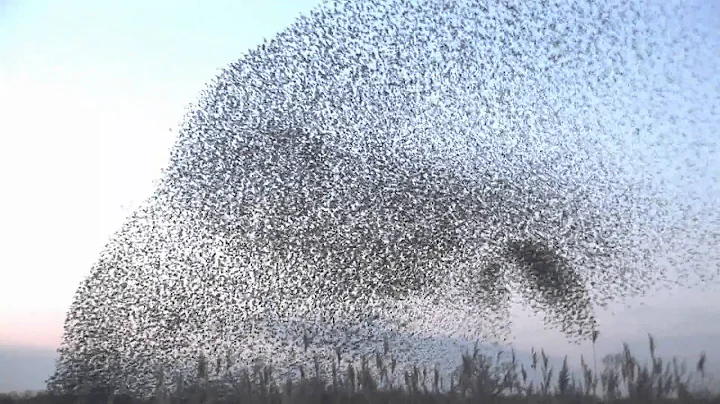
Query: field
{"points": [[620, 378]]}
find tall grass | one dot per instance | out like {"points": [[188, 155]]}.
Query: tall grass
{"points": [[480, 377]]}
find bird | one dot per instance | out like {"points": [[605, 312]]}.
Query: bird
{"points": [[382, 169]]}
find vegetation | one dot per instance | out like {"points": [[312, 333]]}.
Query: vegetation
{"points": [[480, 378]]}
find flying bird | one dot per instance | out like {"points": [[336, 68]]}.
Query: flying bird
{"points": [[399, 170]]}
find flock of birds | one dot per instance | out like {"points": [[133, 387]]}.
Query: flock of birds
{"points": [[404, 170]]}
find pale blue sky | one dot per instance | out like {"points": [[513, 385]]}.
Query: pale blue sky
{"points": [[88, 93]]}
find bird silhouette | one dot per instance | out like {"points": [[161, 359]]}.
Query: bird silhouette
{"points": [[384, 170]]}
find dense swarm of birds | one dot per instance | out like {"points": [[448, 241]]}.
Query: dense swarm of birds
{"points": [[403, 170]]}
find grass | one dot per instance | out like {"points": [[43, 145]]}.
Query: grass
{"points": [[480, 378]]}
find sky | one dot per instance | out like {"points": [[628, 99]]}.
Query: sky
{"points": [[91, 93]]}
